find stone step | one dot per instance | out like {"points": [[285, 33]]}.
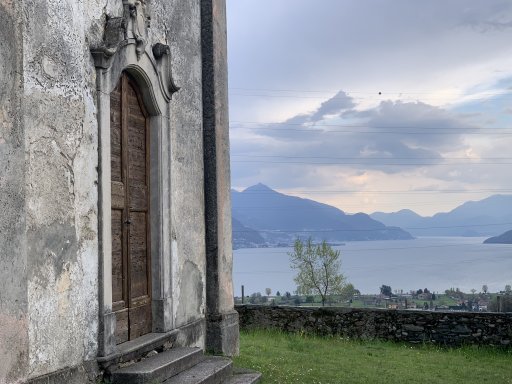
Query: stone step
{"points": [[158, 368], [137, 349], [212, 370], [243, 378]]}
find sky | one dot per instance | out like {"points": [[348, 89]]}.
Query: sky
{"points": [[372, 105]]}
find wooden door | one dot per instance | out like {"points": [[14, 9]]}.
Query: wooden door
{"points": [[131, 272]]}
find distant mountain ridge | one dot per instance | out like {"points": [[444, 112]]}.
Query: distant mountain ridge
{"points": [[245, 237], [486, 217], [504, 238], [280, 219]]}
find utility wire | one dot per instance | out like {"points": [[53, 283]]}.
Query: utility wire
{"points": [[376, 97], [376, 132], [356, 126], [313, 191], [370, 158], [383, 92], [389, 229], [364, 163]]}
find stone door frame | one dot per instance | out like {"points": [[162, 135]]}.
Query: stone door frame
{"points": [[151, 71]]}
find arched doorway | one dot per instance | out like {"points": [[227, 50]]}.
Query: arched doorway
{"points": [[130, 211], [135, 273]]}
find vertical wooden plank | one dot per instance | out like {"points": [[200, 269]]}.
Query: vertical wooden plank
{"points": [[138, 154], [126, 216], [131, 273], [117, 259], [122, 329], [138, 255], [118, 201], [115, 134]]}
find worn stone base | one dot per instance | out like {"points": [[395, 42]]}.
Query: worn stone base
{"points": [[162, 315], [222, 334], [87, 373], [107, 342], [192, 334]]}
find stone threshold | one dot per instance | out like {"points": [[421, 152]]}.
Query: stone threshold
{"points": [[138, 348]]}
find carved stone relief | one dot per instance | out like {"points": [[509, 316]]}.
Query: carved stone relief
{"points": [[162, 54], [132, 28], [138, 22]]}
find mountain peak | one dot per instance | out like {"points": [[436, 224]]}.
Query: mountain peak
{"points": [[282, 218], [260, 187]]}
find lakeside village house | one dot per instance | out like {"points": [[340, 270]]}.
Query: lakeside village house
{"points": [[115, 236]]}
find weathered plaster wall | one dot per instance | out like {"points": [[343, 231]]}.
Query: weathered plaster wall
{"points": [[222, 320], [220, 75], [62, 146], [48, 179], [443, 328], [13, 277], [187, 198], [61, 183]]}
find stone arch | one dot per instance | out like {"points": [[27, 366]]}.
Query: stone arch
{"points": [[122, 52]]}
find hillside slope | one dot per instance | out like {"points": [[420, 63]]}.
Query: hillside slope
{"points": [[504, 238], [280, 219], [487, 217]]}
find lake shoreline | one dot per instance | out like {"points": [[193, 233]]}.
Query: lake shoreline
{"points": [[437, 263]]}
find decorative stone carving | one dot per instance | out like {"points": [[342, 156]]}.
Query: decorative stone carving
{"points": [[162, 54], [138, 22], [159, 50], [131, 28], [114, 35]]}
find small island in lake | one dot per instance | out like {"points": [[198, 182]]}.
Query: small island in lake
{"points": [[504, 238]]}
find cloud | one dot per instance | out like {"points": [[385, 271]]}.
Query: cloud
{"points": [[341, 154], [411, 48], [488, 17], [334, 106], [393, 137], [441, 66]]}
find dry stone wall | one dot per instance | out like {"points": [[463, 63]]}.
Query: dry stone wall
{"points": [[444, 328]]}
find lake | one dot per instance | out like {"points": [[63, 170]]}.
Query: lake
{"points": [[436, 263]]}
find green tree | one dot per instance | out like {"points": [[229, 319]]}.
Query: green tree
{"points": [[386, 290], [485, 288], [255, 298], [318, 269], [505, 305], [348, 292]]}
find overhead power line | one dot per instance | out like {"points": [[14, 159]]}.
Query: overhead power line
{"points": [[313, 191], [368, 126], [348, 92], [377, 132], [375, 97], [386, 229], [365, 163], [370, 158]]}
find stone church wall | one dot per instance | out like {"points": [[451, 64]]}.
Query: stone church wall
{"points": [[49, 243], [13, 257]]}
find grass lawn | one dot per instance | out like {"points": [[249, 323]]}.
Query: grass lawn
{"points": [[293, 358]]}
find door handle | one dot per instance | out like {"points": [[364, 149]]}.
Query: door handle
{"points": [[128, 222]]}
